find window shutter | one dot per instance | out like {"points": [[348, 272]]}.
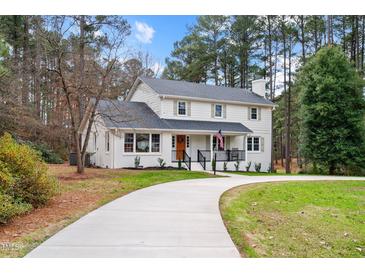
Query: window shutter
{"points": [[224, 111], [258, 113], [249, 113], [175, 107], [188, 108], [262, 143], [212, 112]]}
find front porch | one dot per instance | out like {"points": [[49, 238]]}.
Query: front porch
{"points": [[203, 149]]}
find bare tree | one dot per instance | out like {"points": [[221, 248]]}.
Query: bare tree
{"points": [[85, 63]]}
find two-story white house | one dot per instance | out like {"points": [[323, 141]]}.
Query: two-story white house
{"points": [[178, 121]]}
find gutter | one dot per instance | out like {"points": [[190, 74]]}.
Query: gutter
{"points": [[272, 105]]}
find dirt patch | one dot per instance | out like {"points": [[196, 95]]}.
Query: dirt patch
{"points": [[58, 209]]}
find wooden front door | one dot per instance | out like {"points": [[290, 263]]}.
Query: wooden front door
{"points": [[180, 146]]}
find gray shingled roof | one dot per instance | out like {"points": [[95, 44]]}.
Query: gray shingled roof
{"points": [[135, 115], [206, 125], [120, 114], [195, 90]]}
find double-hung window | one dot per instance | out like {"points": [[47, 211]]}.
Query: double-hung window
{"points": [[253, 144], [128, 142], [218, 111], [181, 108], [253, 114], [155, 142]]}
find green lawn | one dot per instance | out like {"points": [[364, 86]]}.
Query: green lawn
{"points": [[78, 196], [297, 219]]}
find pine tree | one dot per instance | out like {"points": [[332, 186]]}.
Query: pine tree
{"points": [[333, 109]]}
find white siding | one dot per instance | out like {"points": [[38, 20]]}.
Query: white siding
{"points": [[234, 113], [144, 93]]}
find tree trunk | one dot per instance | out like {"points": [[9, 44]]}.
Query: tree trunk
{"points": [[302, 32], [25, 76]]}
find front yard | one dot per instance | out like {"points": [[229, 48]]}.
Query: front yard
{"points": [[79, 194], [297, 219]]}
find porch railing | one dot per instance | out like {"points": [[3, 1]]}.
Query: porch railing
{"points": [[187, 160], [181, 155], [229, 155], [202, 159]]}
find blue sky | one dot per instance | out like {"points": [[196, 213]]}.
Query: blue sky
{"points": [[157, 34]]}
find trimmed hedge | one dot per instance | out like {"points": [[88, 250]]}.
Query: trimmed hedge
{"points": [[24, 179]]}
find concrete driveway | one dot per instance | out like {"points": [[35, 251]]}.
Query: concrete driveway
{"points": [[178, 219]]}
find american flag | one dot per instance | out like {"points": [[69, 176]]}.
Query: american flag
{"points": [[220, 140]]}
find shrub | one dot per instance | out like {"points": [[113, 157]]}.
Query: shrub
{"points": [[248, 166], [137, 161], [258, 167], [161, 162], [25, 173], [237, 165], [47, 154], [225, 166], [10, 208]]}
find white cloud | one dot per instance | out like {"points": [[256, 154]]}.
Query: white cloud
{"points": [[144, 32]]}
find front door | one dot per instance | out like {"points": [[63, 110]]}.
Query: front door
{"points": [[180, 146]]}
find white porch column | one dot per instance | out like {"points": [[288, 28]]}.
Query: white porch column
{"points": [[211, 148]]}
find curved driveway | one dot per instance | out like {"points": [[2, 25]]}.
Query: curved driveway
{"points": [[178, 219]]}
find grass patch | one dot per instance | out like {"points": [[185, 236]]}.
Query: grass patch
{"points": [[79, 194], [297, 219]]}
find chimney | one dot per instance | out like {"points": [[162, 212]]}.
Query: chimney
{"points": [[259, 87]]}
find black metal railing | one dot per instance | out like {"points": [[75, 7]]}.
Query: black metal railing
{"points": [[229, 155], [181, 155], [202, 159], [187, 160]]}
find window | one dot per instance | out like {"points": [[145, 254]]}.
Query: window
{"points": [[128, 142], [253, 144], [107, 143], [142, 142], [173, 141], [155, 143], [215, 145], [181, 108], [95, 142], [218, 111], [253, 114], [187, 141]]}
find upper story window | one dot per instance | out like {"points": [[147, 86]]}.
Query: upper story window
{"points": [[253, 113], [218, 111], [181, 108], [107, 142], [253, 144]]}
